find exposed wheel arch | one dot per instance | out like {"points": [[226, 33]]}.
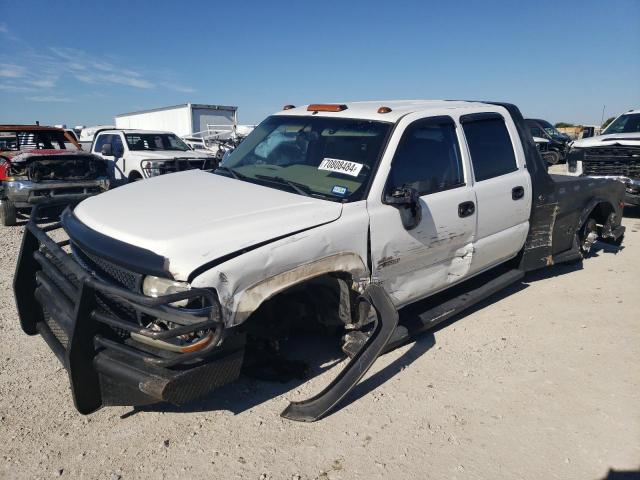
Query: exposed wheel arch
{"points": [[134, 176], [343, 265]]}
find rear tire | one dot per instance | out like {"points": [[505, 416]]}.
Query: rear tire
{"points": [[587, 236], [7, 213]]}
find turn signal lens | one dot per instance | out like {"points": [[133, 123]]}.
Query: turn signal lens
{"points": [[199, 345], [384, 110], [326, 107]]}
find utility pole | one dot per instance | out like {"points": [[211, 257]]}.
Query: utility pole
{"points": [[602, 119]]}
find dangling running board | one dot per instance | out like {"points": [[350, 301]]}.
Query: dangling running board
{"points": [[386, 321]]}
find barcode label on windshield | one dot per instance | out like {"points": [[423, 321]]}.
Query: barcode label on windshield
{"points": [[340, 166]]}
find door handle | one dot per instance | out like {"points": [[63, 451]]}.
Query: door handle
{"points": [[466, 209], [517, 193]]}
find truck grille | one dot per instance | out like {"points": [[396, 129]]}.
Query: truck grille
{"points": [[619, 161], [109, 271], [112, 273]]}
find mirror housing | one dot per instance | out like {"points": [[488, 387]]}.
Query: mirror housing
{"points": [[407, 199], [107, 150]]}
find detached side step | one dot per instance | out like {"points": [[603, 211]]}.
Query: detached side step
{"points": [[386, 321], [444, 311]]}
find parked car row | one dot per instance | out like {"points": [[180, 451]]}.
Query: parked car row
{"points": [[337, 214], [48, 166]]}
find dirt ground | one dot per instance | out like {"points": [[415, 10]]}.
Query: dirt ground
{"points": [[540, 382]]}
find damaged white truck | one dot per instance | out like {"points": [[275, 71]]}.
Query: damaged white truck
{"points": [[344, 214]]}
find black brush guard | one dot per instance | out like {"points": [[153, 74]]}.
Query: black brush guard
{"points": [[64, 303]]}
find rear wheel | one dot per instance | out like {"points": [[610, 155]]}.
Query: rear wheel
{"points": [[587, 236], [7, 213]]}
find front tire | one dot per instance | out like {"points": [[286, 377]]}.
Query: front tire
{"points": [[7, 213], [552, 158], [134, 177]]}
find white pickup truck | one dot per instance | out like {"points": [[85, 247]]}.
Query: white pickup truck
{"points": [[138, 154], [614, 154], [333, 215]]}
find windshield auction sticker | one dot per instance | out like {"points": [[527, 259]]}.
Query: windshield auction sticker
{"points": [[340, 166]]}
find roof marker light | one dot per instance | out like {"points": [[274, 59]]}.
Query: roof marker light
{"points": [[384, 110], [326, 107], [288, 107]]}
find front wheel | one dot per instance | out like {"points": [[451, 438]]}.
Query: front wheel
{"points": [[552, 158], [7, 213]]}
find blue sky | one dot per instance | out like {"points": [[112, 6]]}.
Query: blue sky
{"points": [[80, 62]]}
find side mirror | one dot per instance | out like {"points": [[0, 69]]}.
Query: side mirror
{"points": [[106, 150], [408, 201]]}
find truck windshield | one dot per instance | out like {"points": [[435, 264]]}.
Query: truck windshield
{"points": [[155, 141], [35, 140], [624, 124], [332, 158]]}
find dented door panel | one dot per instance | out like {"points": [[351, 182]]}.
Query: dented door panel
{"points": [[412, 264]]}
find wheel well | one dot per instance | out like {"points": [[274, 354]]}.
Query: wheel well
{"points": [[601, 212], [135, 175], [324, 301]]}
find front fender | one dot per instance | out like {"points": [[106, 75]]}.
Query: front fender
{"points": [[251, 298]]}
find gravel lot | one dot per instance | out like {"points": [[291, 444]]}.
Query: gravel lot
{"points": [[543, 381]]}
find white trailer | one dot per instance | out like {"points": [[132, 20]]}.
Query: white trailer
{"points": [[184, 120]]}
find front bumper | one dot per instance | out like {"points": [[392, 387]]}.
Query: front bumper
{"points": [[25, 193], [76, 314]]}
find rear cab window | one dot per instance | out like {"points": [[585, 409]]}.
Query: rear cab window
{"points": [[35, 140], [490, 145]]}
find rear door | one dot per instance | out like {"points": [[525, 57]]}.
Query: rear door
{"points": [[502, 187]]}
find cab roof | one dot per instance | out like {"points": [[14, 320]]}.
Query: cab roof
{"points": [[399, 108], [30, 128], [134, 130]]}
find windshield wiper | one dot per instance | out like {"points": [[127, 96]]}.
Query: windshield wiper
{"points": [[232, 172], [298, 187]]}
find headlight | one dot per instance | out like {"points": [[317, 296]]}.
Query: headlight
{"points": [[157, 287], [152, 168]]}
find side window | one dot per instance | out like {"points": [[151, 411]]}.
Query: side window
{"points": [[101, 140], [489, 145], [428, 157], [116, 144]]}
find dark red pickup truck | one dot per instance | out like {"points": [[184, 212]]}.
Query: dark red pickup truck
{"points": [[44, 166]]}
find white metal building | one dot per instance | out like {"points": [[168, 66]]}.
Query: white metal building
{"points": [[183, 120]]}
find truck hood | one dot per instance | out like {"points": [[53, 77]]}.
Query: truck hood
{"points": [[194, 217], [164, 154], [627, 139]]}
